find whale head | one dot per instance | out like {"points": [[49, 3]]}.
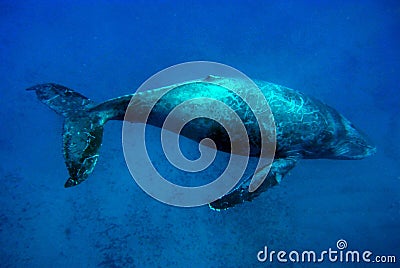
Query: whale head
{"points": [[351, 143]]}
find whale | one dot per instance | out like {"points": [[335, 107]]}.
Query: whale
{"points": [[306, 128]]}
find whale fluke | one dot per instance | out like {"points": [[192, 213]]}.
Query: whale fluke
{"points": [[83, 128], [62, 100]]}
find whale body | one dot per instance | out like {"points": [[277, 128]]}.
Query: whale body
{"points": [[306, 128]]}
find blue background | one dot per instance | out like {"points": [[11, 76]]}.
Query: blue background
{"points": [[345, 53]]}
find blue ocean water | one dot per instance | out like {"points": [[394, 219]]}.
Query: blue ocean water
{"points": [[345, 53]]}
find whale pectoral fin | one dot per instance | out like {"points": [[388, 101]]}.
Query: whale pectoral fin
{"points": [[280, 167], [258, 177]]}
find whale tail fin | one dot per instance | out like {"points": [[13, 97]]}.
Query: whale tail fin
{"points": [[62, 100], [83, 128]]}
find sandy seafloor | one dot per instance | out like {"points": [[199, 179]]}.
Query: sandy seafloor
{"points": [[345, 53]]}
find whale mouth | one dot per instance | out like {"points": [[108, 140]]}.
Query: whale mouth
{"points": [[370, 150], [353, 143], [354, 149]]}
